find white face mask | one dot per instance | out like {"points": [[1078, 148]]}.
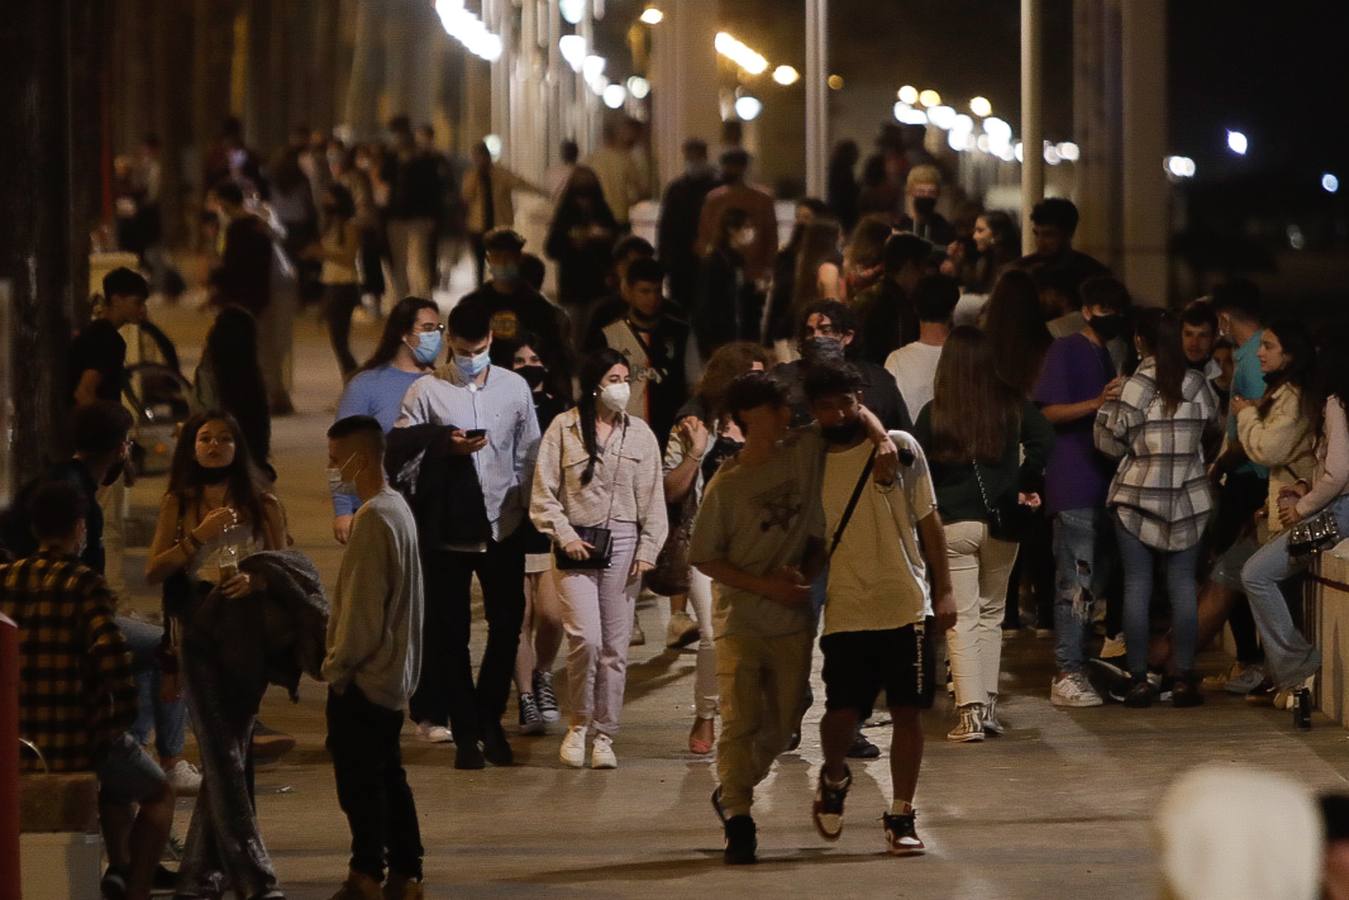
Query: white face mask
{"points": [[339, 485], [615, 396]]}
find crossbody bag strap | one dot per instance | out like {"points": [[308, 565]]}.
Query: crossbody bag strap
{"points": [[983, 494], [852, 502]]}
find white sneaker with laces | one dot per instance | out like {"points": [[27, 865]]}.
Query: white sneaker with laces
{"points": [[434, 734], [970, 725], [1073, 690], [184, 778], [1246, 680], [573, 750], [602, 753], [992, 724]]}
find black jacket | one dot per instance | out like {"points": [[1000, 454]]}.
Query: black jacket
{"points": [[442, 489]]}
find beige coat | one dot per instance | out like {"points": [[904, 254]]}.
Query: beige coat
{"points": [[1283, 441], [504, 183]]}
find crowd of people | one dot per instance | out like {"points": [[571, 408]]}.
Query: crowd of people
{"points": [[895, 432]]}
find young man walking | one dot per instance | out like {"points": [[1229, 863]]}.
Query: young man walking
{"points": [[373, 663], [889, 587], [759, 537]]}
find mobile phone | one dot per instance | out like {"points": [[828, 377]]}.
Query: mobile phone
{"points": [[475, 433]]}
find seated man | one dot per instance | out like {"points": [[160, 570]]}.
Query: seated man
{"points": [[77, 699]]}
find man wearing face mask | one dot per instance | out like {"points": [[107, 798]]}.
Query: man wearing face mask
{"points": [[677, 228], [923, 188], [653, 343], [1078, 377], [515, 308], [737, 193], [489, 413], [828, 336]]}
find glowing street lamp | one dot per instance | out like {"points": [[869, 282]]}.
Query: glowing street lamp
{"points": [[748, 107], [981, 107], [1330, 183], [786, 75], [652, 16], [1237, 143], [929, 97], [908, 95], [739, 53]]}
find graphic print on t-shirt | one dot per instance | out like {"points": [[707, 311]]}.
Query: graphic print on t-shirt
{"points": [[505, 324], [779, 506]]}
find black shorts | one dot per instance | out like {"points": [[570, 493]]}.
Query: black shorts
{"points": [[857, 664]]}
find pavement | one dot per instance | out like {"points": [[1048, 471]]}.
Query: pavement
{"points": [[1059, 807]]}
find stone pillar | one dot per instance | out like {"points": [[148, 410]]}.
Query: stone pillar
{"points": [[1097, 122], [817, 96], [684, 90], [1032, 128], [1146, 190]]}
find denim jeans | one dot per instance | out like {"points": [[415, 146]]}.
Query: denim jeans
{"points": [[1083, 558], [1137, 559], [1289, 657], [167, 718]]}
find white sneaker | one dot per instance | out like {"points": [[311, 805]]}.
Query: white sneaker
{"points": [[992, 724], [970, 725], [602, 753], [184, 778], [434, 734], [573, 749], [1244, 680], [1073, 690]]}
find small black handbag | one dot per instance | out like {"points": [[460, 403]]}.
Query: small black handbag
{"points": [[601, 539], [1007, 521]]}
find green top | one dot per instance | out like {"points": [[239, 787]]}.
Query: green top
{"points": [[958, 498]]}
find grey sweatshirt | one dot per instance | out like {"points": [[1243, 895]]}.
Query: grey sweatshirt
{"points": [[375, 630]]}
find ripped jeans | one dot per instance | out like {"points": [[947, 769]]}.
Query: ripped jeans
{"points": [[1084, 555]]}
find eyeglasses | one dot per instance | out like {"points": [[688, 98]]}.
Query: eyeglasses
{"points": [[430, 328]]}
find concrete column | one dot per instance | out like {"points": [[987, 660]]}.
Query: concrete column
{"points": [[1146, 190], [817, 99], [1032, 129], [684, 89]]}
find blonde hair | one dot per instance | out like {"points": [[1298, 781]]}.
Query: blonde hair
{"points": [[924, 174]]}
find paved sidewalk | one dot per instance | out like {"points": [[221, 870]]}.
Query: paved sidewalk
{"points": [[1058, 808]]}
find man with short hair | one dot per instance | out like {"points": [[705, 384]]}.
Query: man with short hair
{"points": [[415, 194], [677, 228], [1198, 334], [612, 307], [736, 192], [885, 547], [489, 411], [372, 666], [98, 353], [653, 342], [885, 310], [77, 696], [621, 180], [515, 307], [829, 332], [1078, 377], [922, 189], [1054, 222], [915, 364]]}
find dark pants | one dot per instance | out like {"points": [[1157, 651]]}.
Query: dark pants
{"points": [[447, 691], [339, 302], [479, 256], [1034, 564], [1242, 495], [372, 787]]}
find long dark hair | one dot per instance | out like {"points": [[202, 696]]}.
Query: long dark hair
{"points": [[243, 484], [583, 183], [593, 370], [1016, 328], [1159, 332], [402, 319], [1300, 371], [232, 347], [973, 411]]}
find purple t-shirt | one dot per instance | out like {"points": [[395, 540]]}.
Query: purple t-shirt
{"points": [[1077, 475]]}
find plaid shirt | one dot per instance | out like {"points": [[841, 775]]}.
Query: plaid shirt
{"points": [[1160, 492], [76, 688]]}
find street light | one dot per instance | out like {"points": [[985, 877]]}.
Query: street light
{"points": [[1330, 183], [748, 107], [981, 107], [1179, 166], [572, 10], [1070, 151], [786, 75], [614, 95], [907, 115], [638, 86], [573, 49], [652, 16], [1237, 143], [739, 53], [941, 116], [908, 94], [929, 97]]}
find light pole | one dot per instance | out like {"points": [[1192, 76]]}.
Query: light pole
{"points": [[1032, 131], [817, 114]]}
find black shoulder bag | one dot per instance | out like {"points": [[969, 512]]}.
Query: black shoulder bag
{"points": [[1008, 522], [852, 502]]}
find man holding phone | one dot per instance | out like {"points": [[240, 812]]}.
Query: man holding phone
{"points": [[490, 413]]}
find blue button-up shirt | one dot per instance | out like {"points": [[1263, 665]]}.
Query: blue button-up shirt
{"points": [[504, 407]]}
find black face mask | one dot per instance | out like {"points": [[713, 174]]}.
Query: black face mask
{"points": [[924, 206], [843, 433], [821, 349], [1107, 328], [533, 375], [217, 475]]}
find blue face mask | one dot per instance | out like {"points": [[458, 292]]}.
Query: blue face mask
{"points": [[428, 347], [472, 366]]}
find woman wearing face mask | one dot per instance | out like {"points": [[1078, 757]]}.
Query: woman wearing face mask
{"points": [[336, 251], [214, 515], [599, 468], [729, 305], [541, 632], [407, 350], [1160, 497], [703, 438]]}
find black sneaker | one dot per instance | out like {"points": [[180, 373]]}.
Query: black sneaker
{"points": [[862, 748], [545, 698], [901, 835], [716, 805], [165, 881], [469, 756], [1112, 666], [1185, 692], [793, 742], [828, 809], [742, 843], [531, 722], [113, 884], [1141, 693], [495, 748]]}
